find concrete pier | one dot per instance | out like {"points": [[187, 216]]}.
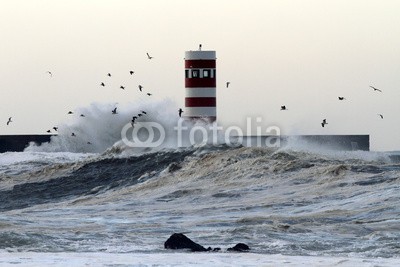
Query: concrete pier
{"points": [[17, 143], [331, 142]]}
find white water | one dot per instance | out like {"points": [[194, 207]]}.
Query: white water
{"points": [[102, 128], [184, 259]]}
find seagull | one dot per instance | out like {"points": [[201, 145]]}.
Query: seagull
{"points": [[324, 122], [148, 56], [140, 115], [131, 72], [55, 128], [144, 112], [283, 108], [109, 74], [341, 98], [82, 115], [70, 112], [375, 89], [140, 87], [114, 111], [102, 84], [148, 94], [48, 131], [227, 84], [122, 87], [49, 72], [73, 134], [380, 115], [133, 120], [180, 112], [9, 120]]}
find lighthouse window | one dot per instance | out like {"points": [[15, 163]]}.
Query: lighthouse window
{"points": [[195, 74], [206, 73], [186, 73]]}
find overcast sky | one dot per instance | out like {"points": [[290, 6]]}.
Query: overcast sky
{"points": [[302, 54]]}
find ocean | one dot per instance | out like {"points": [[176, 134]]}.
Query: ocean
{"points": [[293, 206]]}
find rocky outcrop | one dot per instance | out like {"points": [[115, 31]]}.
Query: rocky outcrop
{"points": [[180, 241], [240, 247]]}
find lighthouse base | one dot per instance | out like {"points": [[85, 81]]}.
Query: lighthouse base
{"points": [[205, 119]]}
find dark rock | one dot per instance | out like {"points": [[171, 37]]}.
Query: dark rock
{"points": [[240, 247], [284, 226], [216, 249], [180, 241]]}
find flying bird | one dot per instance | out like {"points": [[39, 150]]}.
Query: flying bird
{"points": [[48, 131], [49, 72], [324, 122], [140, 115], [148, 94], [55, 128], [341, 98], [122, 87], [70, 112], [227, 84], [89, 143], [148, 56], [82, 115], [73, 134], [375, 89], [102, 84], [283, 108], [114, 111], [144, 112], [131, 72], [109, 74], [380, 115], [140, 87], [9, 120], [180, 112], [133, 120]]}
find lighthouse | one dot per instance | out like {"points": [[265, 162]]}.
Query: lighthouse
{"points": [[200, 85]]}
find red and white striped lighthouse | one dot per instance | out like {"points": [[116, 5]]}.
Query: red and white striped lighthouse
{"points": [[200, 85]]}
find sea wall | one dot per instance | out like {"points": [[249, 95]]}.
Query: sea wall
{"points": [[17, 143], [332, 142]]}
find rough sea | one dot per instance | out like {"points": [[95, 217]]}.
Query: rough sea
{"points": [[67, 204]]}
